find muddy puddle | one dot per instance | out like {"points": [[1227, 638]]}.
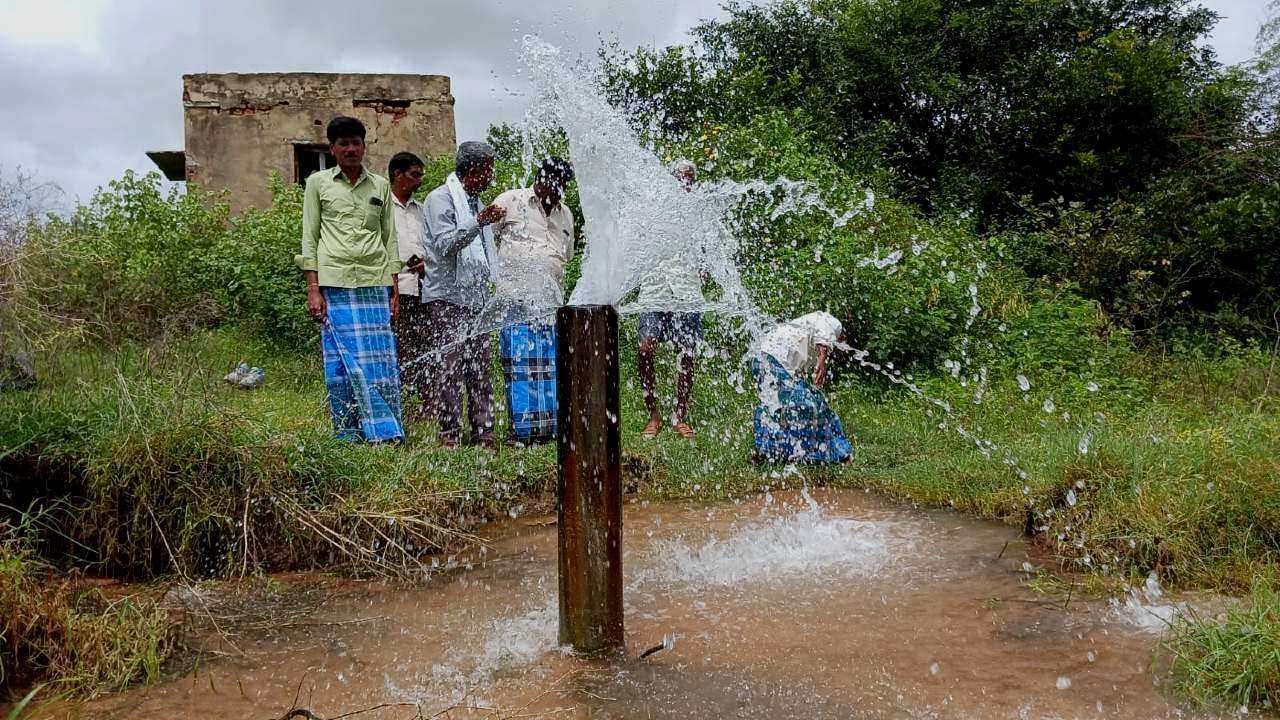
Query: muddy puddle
{"points": [[839, 605]]}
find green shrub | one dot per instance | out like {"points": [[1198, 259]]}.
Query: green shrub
{"points": [[251, 272], [1135, 166], [133, 261]]}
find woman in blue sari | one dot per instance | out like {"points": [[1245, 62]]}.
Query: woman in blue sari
{"points": [[794, 423]]}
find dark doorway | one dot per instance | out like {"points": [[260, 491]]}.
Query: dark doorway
{"points": [[310, 158]]}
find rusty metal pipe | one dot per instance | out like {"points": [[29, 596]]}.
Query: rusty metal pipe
{"points": [[589, 482]]}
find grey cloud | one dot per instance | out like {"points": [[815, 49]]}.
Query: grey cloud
{"points": [[80, 114], [1237, 30]]}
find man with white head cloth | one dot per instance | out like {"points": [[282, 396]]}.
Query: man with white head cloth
{"points": [[455, 287], [535, 243]]}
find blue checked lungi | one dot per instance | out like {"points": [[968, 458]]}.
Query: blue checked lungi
{"points": [[360, 368], [529, 366], [801, 427]]}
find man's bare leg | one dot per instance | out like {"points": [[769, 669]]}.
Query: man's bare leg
{"points": [[647, 359], [684, 390]]}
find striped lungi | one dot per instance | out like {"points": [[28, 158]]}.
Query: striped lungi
{"points": [[360, 368], [794, 423], [529, 366]]}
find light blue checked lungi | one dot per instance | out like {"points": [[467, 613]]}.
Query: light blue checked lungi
{"points": [[800, 427], [529, 366], [360, 368]]}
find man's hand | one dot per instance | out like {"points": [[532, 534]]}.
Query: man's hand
{"points": [[316, 306], [395, 303], [418, 267], [491, 215], [820, 371]]}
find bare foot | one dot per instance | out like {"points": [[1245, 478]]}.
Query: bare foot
{"points": [[651, 430], [686, 430]]}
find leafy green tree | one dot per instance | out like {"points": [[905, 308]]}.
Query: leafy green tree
{"points": [[1122, 158], [971, 104]]}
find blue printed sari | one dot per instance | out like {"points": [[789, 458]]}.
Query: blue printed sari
{"points": [[794, 423]]}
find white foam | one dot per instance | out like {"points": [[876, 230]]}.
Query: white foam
{"points": [[1145, 608], [512, 642], [523, 639], [777, 548]]}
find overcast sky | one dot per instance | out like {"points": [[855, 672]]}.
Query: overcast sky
{"points": [[90, 85]]}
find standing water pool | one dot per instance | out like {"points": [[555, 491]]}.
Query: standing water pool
{"points": [[830, 604]]}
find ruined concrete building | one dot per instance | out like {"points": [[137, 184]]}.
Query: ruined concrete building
{"points": [[242, 127]]}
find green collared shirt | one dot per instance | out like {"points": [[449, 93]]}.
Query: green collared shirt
{"points": [[349, 231]]}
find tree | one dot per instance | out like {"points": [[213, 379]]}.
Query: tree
{"points": [[971, 104]]}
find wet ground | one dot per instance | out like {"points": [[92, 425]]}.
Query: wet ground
{"points": [[843, 606]]}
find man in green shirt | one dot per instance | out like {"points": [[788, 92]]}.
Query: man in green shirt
{"points": [[350, 259]]}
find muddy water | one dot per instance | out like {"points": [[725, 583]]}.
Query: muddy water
{"points": [[843, 606]]}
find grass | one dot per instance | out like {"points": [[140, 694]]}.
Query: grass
{"points": [[167, 469], [158, 468], [1174, 484], [138, 462], [1235, 660], [53, 628]]}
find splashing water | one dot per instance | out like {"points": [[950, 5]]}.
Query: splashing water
{"points": [[1085, 441], [637, 216], [807, 543], [522, 639], [640, 223], [508, 643], [1146, 608]]}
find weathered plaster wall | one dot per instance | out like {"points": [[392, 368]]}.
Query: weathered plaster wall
{"points": [[241, 127]]}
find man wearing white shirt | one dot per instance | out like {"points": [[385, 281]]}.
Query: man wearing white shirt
{"points": [[405, 172], [672, 297], [534, 242]]}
